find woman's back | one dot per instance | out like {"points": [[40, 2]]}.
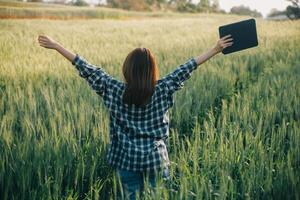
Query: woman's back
{"points": [[138, 134]]}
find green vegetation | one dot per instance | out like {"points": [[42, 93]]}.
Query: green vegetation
{"points": [[244, 10], [174, 5], [56, 11], [21, 10], [235, 131]]}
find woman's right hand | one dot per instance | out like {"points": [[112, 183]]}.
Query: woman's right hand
{"points": [[47, 42], [223, 43]]}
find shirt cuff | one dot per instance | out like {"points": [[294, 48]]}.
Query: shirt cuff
{"points": [[194, 62], [77, 57]]}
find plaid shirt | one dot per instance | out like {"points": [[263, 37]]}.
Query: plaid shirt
{"points": [[138, 136]]}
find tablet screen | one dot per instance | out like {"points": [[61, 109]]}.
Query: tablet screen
{"points": [[243, 33]]}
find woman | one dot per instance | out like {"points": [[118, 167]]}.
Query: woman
{"points": [[139, 120]]}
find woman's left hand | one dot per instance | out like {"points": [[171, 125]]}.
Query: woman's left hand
{"points": [[223, 43]]}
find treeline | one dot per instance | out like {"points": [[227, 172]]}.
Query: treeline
{"points": [[292, 11], [175, 5], [244, 10], [149, 5], [192, 6]]}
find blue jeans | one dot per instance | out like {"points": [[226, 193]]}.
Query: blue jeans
{"points": [[133, 182]]}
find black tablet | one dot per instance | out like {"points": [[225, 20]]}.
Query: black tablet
{"points": [[243, 33]]}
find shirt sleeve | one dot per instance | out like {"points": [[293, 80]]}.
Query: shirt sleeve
{"points": [[175, 80], [96, 77]]}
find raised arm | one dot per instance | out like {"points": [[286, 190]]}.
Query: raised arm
{"points": [[97, 78], [49, 43], [224, 42], [175, 79]]}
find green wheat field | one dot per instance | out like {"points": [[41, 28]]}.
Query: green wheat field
{"points": [[234, 129]]}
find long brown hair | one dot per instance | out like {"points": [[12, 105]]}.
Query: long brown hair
{"points": [[141, 73]]}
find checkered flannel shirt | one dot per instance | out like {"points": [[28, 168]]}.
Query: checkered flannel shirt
{"points": [[138, 135]]}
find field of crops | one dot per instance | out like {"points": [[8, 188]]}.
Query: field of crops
{"points": [[235, 126]]}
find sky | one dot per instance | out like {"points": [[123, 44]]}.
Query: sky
{"points": [[263, 6]]}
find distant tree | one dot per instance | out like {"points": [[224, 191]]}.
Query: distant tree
{"points": [[178, 5], [293, 11], [59, 1], [118, 3], [150, 2], [49, 1], [274, 12], [79, 3], [128, 4], [215, 5], [160, 1], [185, 6], [204, 3], [209, 6], [156, 4], [111, 3], [243, 10], [295, 3]]}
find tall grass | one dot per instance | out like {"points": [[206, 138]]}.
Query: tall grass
{"points": [[235, 131]]}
